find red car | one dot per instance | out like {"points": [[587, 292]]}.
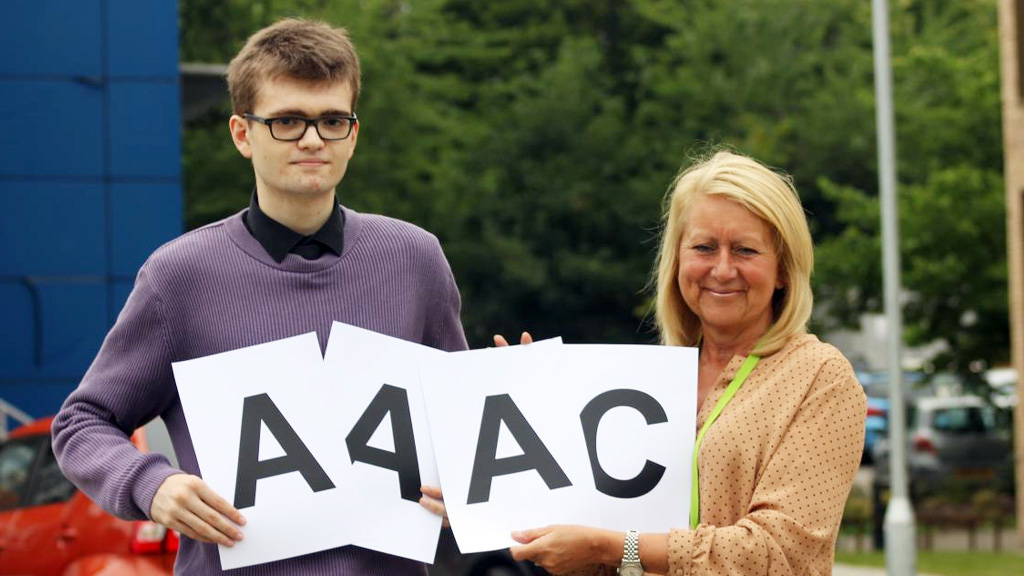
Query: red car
{"points": [[50, 528]]}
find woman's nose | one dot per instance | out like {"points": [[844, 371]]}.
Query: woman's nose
{"points": [[723, 268]]}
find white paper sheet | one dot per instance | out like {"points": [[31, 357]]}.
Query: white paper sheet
{"points": [[288, 518], [550, 387], [358, 364]]}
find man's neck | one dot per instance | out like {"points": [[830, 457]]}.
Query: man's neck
{"points": [[304, 214]]}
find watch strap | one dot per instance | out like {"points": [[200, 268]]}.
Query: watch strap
{"points": [[631, 550]]}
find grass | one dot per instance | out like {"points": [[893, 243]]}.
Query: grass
{"points": [[947, 563]]}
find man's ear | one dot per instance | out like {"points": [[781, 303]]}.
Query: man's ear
{"points": [[239, 128], [354, 136]]}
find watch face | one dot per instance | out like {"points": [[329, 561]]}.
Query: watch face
{"points": [[631, 570]]}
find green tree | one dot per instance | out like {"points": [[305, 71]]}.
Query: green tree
{"points": [[537, 139], [952, 212]]}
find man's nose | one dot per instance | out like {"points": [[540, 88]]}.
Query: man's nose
{"points": [[311, 139]]}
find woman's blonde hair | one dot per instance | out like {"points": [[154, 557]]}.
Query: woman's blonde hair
{"points": [[769, 195]]}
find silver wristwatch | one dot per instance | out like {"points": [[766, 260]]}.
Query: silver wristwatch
{"points": [[631, 555]]}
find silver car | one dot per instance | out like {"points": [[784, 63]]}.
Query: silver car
{"points": [[951, 439]]}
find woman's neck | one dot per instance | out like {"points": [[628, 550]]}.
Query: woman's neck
{"points": [[719, 347]]}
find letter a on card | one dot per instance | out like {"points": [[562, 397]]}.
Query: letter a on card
{"points": [[290, 498]]}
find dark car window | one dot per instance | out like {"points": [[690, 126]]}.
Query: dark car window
{"points": [[50, 485], [18, 459], [965, 419], [876, 390]]}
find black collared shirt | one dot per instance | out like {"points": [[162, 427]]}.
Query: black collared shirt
{"points": [[279, 240]]}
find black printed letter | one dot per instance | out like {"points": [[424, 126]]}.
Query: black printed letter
{"points": [[591, 417], [297, 458], [404, 459], [535, 456]]}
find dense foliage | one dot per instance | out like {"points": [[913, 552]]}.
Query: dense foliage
{"points": [[537, 139]]}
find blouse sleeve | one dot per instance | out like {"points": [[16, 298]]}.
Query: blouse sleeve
{"points": [[798, 501]]}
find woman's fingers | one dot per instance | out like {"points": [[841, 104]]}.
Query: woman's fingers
{"points": [[527, 536], [500, 341], [560, 549], [530, 549]]}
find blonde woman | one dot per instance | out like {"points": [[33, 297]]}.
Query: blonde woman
{"points": [[780, 422]]}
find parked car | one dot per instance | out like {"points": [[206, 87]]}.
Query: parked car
{"points": [[50, 528], [952, 442], [876, 388], [949, 439], [875, 425]]}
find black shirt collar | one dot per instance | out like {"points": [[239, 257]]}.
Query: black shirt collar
{"points": [[279, 240]]}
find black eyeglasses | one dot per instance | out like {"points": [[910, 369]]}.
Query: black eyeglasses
{"points": [[292, 128]]}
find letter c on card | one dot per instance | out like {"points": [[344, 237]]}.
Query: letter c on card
{"points": [[591, 416]]}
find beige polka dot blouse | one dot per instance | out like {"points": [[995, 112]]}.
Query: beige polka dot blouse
{"points": [[776, 467]]}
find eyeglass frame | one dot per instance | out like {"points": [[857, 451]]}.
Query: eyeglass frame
{"points": [[314, 122]]}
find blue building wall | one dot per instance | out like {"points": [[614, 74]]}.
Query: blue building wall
{"points": [[90, 179]]}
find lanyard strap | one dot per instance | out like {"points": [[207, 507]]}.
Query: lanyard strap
{"points": [[745, 369]]}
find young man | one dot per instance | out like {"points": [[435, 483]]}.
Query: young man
{"points": [[295, 261]]}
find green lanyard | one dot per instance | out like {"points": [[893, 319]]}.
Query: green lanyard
{"points": [[734, 386]]}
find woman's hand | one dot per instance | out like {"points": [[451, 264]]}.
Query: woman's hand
{"points": [[500, 341], [560, 549], [433, 500]]}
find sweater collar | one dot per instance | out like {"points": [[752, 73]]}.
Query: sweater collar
{"points": [[279, 240], [292, 262]]}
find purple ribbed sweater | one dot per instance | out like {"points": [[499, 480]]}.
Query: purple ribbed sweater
{"points": [[216, 289]]}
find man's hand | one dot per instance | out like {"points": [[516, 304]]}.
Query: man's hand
{"points": [[186, 504], [433, 500], [500, 341]]}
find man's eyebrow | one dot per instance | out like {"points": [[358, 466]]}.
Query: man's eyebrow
{"points": [[305, 114]]}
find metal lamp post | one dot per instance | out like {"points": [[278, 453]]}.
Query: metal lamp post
{"points": [[900, 553]]}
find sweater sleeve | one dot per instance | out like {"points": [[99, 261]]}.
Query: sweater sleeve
{"points": [[444, 324], [798, 502], [129, 383]]}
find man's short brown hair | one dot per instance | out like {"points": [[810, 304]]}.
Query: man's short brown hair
{"points": [[292, 48]]}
